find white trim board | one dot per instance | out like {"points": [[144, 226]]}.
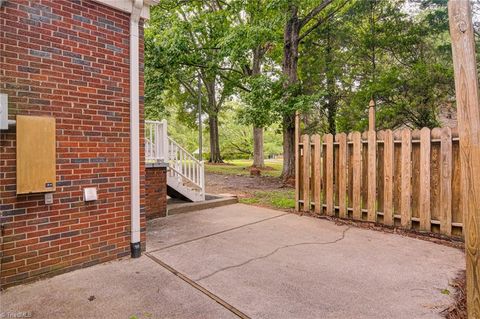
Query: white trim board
{"points": [[126, 6]]}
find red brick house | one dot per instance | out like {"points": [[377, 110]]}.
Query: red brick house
{"points": [[79, 62]]}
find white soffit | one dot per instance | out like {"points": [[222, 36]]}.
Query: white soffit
{"points": [[126, 6]]}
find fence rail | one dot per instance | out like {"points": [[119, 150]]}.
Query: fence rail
{"points": [[404, 178]]}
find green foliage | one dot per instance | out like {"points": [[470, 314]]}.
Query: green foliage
{"points": [[395, 51], [378, 50]]}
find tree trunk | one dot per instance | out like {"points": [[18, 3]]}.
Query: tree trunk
{"points": [[258, 159], [331, 95], [289, 68], [288, 173], [213, 109], [215, 156]]}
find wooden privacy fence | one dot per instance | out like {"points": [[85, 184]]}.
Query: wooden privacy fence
{"points": [[404, 178]]}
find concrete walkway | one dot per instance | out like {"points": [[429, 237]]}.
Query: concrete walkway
{"points": [[245, 261]]}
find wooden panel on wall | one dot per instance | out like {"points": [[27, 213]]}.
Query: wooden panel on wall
{"points": [[35, 154]]}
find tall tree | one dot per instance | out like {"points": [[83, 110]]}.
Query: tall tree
{"points": [[188, 49], [253, 32], [301, 20]]}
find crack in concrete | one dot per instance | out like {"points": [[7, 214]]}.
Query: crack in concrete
{"points": [[274, 252], [216, 233]]}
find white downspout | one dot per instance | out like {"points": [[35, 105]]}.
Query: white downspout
{"points": [[135, 244]]}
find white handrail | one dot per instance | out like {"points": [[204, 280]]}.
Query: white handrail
{"points": [[185, 164], [159, 147]]}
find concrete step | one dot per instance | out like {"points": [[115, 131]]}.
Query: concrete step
{"points": [[211, 201]]}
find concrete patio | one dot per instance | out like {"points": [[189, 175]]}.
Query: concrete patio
{"points": [[253, 262]]}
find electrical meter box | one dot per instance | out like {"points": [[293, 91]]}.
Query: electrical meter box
{"points": [[35, 154]]}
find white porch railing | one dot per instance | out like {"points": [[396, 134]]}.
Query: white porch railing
{"points": [[156, 141], [184, 164], [185, 171]]}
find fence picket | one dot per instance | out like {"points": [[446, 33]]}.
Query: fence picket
{"points": [[317, 162], [406, 191], [387, 173], [306, 172], [329, 174], [424, 191], [372, 176], [357, 175], [388, 178], [446, 181], [342, 175]]}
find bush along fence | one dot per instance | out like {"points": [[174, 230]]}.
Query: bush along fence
{"points": [[404, 178]]}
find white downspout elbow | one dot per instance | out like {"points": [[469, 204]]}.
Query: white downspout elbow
{"points": [[135, 245]]}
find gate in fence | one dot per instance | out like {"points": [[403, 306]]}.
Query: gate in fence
{"points": [[404, 178]]}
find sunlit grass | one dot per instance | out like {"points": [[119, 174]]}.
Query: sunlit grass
{"points": [[281, 199], [242, 167]]}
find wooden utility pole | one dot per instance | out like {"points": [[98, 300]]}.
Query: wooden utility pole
{"points": [[468, 110]]}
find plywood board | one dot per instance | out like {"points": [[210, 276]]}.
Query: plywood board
{"points": [[35, 154]]}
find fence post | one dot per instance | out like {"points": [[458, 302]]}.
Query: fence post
{"points": [[468, 110], [371, 115]]}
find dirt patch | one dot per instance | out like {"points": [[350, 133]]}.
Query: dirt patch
{"points": [[459, 309], [240, 185]]}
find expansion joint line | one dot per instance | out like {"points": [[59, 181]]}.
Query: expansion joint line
{"points": [[217, 233], [200, 288]]}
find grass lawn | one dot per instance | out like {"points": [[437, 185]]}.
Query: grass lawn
{"points": [[241, 167], [279, 199], [248, 188]]}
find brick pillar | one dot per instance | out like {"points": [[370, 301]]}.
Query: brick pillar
{"points": [[156, 191]]}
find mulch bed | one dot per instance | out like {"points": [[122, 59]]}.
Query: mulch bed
{"points": [[459, 309]]}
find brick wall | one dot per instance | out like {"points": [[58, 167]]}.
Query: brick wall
{"points": [[68, 59], [156, 192]]}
